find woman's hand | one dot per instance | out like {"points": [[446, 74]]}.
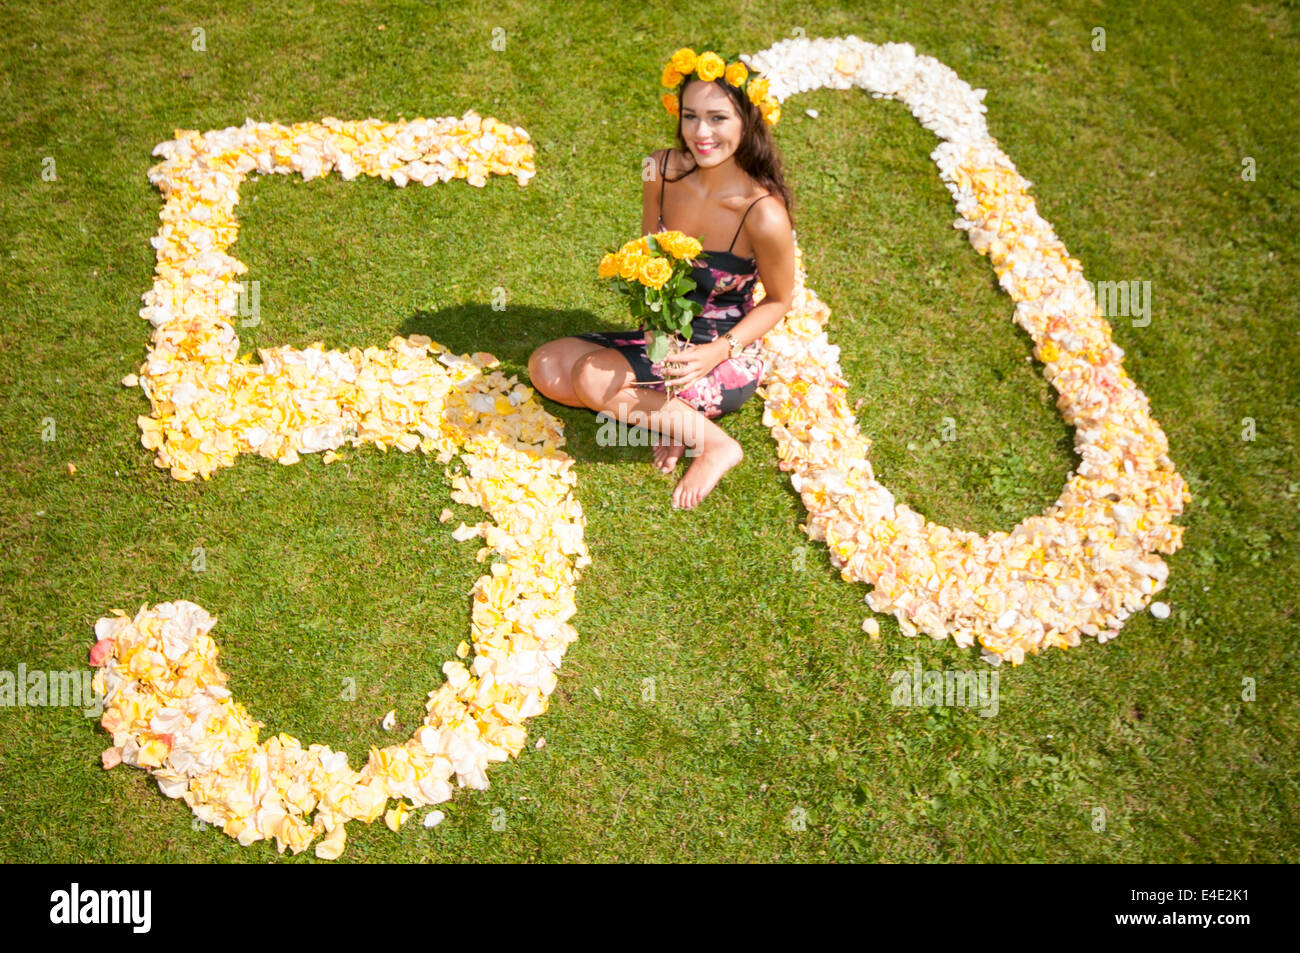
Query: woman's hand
{"points": [[695, 361]]}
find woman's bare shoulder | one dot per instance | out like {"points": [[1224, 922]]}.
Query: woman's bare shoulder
{"points": [[770, 215]]}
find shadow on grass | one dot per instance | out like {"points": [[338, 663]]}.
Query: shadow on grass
{"points": [[514, 334]]}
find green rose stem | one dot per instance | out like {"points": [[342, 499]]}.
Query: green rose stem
{"points": [[674, 345]]}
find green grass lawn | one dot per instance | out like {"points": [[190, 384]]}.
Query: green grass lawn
{"points": [[770, 703]]}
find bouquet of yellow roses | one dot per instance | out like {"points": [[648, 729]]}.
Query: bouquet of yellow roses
{"points": [[654, 271]]}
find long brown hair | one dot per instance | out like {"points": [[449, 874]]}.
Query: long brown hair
{"points": [[757, 153]]}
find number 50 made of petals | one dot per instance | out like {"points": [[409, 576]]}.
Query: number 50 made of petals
{"points": [[1081, 567]]}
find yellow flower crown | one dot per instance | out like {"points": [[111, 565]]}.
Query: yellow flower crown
{"points": [[709, 66]]}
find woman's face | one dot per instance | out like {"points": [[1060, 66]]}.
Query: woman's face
{"points": [[710, 124]]}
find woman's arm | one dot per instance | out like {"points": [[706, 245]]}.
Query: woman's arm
{"points": [[772, 236]]}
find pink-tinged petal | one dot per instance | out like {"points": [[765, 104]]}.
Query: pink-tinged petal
{"points": [[101, 651], [111, 757]]}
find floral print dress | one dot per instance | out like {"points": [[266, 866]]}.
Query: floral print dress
{"points": [[724, 285]]}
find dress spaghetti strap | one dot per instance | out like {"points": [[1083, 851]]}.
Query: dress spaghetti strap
{"points": [[742, 220], [663, 175]]}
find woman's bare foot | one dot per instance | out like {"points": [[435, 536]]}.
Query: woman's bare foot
{"points": [[703, 475], [667, 453]]}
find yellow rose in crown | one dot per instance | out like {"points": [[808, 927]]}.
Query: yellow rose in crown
{"points": [[709, 66], [683, 61], [736, 74]]}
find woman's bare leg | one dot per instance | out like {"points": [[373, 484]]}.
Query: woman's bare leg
{"points": [[667, 452], [603, 381], [551, 366]]}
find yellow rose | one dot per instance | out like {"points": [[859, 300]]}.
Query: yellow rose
{"points": [[681, 246], [771, 113], [656, 272], [757, 90], [630, 266], [670, 103], [678, 245], [710, 66], [670, 77], [736, 73], [669, 242], [684, 60], [609, 266]]}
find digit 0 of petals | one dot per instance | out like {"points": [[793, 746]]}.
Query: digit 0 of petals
{"points": [[1087, 563]]}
